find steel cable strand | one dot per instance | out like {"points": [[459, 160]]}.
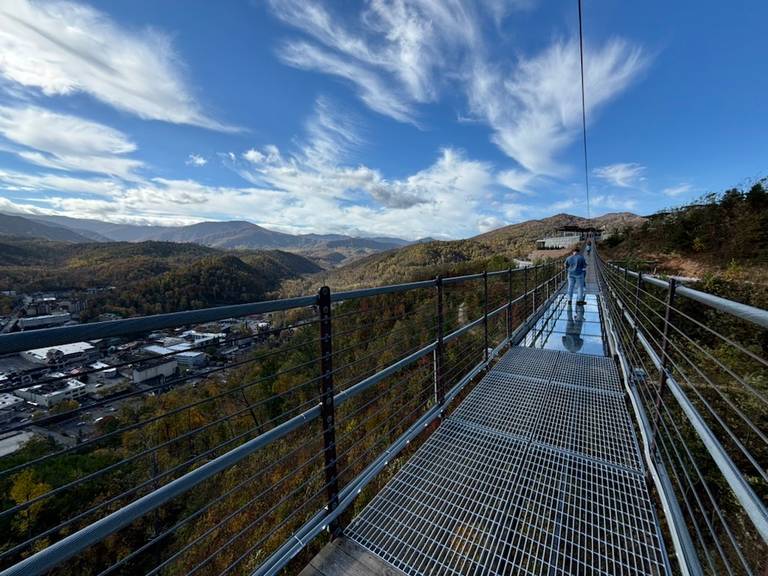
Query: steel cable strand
{"points": [[717, 417], [149, 451], [374, 353], [234, 514], [725, 339], [155, 388], [247, 553], [359, 409], [712, 499], [247, 528], [173, 412], [692, 515], [168, 355], [124, 494], [359, 327], [220, 498], [349, 382], [746, 385]]}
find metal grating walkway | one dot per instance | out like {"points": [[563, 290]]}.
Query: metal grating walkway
{"points": [[537, 471]]}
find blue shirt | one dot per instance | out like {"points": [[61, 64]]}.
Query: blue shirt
{"points": [[577, 265]]}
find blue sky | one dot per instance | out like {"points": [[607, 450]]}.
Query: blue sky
{"points": [[405, 118]]}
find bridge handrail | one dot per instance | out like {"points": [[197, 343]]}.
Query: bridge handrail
{"points": [[549, 277], [744, 311], [27, 340], [647, 326]]}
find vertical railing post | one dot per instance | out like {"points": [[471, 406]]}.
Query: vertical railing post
{"points": [[485, 313], [535, 287], [327, 411], [638, 286], [439, 348], [664, 361], [525, 293], [509, 304]]}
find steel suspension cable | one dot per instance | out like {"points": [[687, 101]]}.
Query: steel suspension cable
{"points": [[583, 108]]}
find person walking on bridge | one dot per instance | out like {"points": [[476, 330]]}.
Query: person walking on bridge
{"points": [[576, 266]]}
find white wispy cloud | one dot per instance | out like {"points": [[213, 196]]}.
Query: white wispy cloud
{"points": [[314, 188], [331, 136], [534, 109], [563, 205], [66, 142], [457, 188], [611, 202], [61, 48], [397, 54], [678, 190], [517, 180], [372, 90], [400, 54], [24, 182], [487, 223], [319, 166], [623, 175], [196, 160]]}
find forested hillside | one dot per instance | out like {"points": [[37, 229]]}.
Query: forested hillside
{"points": [[492, 250], [146, 277], [521, 237], [722, 234]]}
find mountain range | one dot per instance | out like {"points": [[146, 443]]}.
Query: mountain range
{"points": [[328, 249], [491, 250]]}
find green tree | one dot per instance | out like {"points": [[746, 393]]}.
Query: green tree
{"points": [[26, 486]]}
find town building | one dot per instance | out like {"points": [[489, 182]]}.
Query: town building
{"points": [[8, 405], [192, 359], [153, 370], [63, 354], [199, 339], [9, 401], [45, 321], [181, 353], [51, 393]]}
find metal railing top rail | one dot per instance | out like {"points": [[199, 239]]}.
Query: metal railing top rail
{"points": [[47, 337], [61, 550], [744, 311]]}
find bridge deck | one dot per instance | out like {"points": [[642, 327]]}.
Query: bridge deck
{"points": [[536, 472]]}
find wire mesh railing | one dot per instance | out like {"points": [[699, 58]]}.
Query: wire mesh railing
{"points": [[698, 372], [223, 441]]}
